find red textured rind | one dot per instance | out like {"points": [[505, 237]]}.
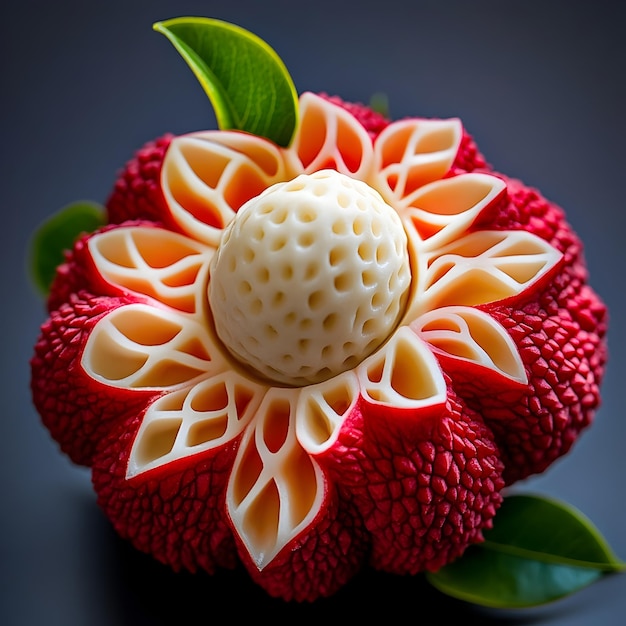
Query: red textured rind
{"points": [[77, 410], [560, 332], [137, 193], [561, 343], [404, 503], [468, 158], [176, 512], [322, 560], [426, 487]]}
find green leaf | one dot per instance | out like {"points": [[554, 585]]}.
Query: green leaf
{"points": [[57, 234], [246, 81], [538, 551], [379, 102]]}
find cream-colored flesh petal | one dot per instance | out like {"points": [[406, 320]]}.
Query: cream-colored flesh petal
{"points": [[207, 176], [411, 153], [142, 347], [404, 374], [275, 489], [472, 335], [322, 409], [155, 262], [443, 210], [328, 137], [193, 420], [484, 267]]}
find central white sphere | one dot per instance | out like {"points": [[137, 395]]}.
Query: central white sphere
{"points": [[310, 277]]}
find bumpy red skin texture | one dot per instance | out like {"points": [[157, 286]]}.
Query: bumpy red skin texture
{"points": [[404, 499], [426, 483], [561, 335], [77, 410], [415, 490], [137, 193], [373, 122], [322, 560], [175, 513]]}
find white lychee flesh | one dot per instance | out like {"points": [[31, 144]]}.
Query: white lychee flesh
{"points": [[310, 277]]}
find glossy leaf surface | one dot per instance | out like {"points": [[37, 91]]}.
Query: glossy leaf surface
{"points": [[246, 81], [538, 551], [56, 235]]}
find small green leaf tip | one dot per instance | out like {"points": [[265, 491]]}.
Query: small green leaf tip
{"points": [[379, 102], [538, 551], [245, 80], [56, 235]]}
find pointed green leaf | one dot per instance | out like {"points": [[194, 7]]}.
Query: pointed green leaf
{"points": [[245, 80], [545, 526], [57, 234], [538, 551], [504, 581]]}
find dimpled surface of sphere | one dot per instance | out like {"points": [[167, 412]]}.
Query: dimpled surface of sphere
{"points": [[310, 277]]}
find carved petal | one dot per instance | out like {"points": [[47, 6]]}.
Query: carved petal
{"points": [[207, 176], [472, 335], [322, 410], [404, 374], [193, 420], [275, 490], [155, 262], [329, 137], [142, 347], [441, 211], [484, 267], [411, 153]]}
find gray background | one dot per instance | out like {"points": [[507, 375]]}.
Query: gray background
{"points": [[540, 85]]}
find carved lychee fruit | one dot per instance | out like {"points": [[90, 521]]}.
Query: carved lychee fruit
{"points": [[318, 358]]}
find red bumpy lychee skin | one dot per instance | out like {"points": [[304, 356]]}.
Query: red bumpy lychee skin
{"points": [[77, 410], [560, 335], [137, 192], [402, 496]]}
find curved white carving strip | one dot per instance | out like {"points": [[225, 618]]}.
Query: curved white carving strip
{"points": [[484, 267], [158, 263], [199, 209], [193, 420], [411, 153], [322, 410], [443, 210], [403, 374], [330, 137], [275, 489], [142, 347], [207, 176], [472, 335]]}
